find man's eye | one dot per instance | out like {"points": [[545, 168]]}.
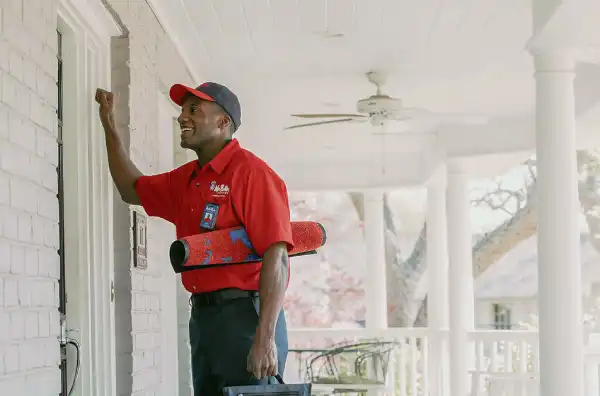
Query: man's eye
{"points": [[193, 109]]}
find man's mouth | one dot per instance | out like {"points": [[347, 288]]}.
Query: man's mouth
{"points": [[186, 131]]}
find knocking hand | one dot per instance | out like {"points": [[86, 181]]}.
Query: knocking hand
{"points": [[106, 110], [262, 359]]}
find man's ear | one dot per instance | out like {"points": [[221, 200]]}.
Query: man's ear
{"points": [[225, 122]]}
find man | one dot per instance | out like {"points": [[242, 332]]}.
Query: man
{"points": [[238, 333]]}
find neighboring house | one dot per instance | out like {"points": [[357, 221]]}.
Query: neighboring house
{"points": [[506, 294]]}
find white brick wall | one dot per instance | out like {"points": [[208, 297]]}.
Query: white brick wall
{"points": [[29, 353], [29, 265], [155, 66]]}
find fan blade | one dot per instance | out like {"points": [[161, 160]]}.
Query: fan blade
{"points": [[407, 113], [321, 123], [328, 115], [415, 112]]}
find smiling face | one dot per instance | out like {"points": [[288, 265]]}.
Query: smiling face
{"points": [[202, 123]]}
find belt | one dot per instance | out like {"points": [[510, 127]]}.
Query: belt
{"points": [[220, 296]]}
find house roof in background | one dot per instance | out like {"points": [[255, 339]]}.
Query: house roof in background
{"points": [[515, 275]]}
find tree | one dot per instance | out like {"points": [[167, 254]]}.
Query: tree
{"points": [[519, 205], [403, 276], [523, 223], [327, 289]]}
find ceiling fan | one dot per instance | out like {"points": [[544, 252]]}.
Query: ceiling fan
{"points": [[380, 108]]}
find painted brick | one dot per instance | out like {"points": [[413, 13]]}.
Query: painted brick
{"points": [[11, 292], [28, 365], [153, 303], [29, 264], [37, 294], [24, 290], [4, 58], [31, 325], [17, 259], [25, 228], [4, 326], [46, 146], [22, 132], [3, 112], [47, 203], [23, 195], [11, 358], [4, 189], [14, 159], [38, 230], [17, 325], [9, 221], [144, 340], [2, 367], [29, 74], [9, 90], [15, 64], [4, 257], [32, 261], [29, 356], [43, 323]]}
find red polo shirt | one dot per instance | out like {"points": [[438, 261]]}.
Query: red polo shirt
{"points": [[248, 193]]}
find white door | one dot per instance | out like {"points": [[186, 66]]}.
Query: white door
{"points": [[88, 231]]}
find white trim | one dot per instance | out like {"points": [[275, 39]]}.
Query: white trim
{"points": [[178, 25], [92, 16], [88, 194], [572, 25]]}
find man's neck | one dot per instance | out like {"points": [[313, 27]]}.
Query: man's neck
{"points": [[210, 151]]}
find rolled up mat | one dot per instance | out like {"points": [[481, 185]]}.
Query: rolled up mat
{"points": [[232, 246]]}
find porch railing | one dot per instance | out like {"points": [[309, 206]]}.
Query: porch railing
{"points": [[504, 362], [406, 373]]}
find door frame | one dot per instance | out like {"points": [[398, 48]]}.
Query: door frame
{"points": [[87, 28]]}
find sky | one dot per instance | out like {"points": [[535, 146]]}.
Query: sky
{"points": [[483, 219]]}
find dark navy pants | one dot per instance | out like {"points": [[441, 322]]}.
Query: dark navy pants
{"points": [[220, 338]]}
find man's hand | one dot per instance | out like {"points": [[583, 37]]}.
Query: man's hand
{"points": [[106, 109], [262, 359], [122, 170]]}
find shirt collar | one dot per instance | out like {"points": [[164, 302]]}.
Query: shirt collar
{"points": [[221, 160]]}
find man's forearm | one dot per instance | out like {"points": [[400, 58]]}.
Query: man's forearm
{"points": [[272, 285], [122, 169]]}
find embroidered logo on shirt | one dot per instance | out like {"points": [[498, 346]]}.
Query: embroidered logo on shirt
{"points": [[219, 190]]}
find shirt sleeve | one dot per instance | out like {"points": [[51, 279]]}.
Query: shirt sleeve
{"points": [[156, 192], [266, 211]]}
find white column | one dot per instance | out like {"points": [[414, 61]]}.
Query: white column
{"points": [[437, 269], [376, 285], [460, 278], [559, 268]]}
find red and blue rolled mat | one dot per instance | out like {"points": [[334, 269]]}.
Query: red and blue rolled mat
{"points": [[232, 246]]}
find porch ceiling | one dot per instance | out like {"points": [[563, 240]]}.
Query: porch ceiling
{"points": [[295, 56]]}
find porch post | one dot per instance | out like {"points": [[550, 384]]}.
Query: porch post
{"points": [[559, 268], [437, 268], [461, 295], [376, 284]]}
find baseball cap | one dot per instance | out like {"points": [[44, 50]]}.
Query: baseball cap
{"points": [[212, 92]]}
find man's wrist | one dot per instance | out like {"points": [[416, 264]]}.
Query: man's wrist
{"points": [[265, 333]]}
